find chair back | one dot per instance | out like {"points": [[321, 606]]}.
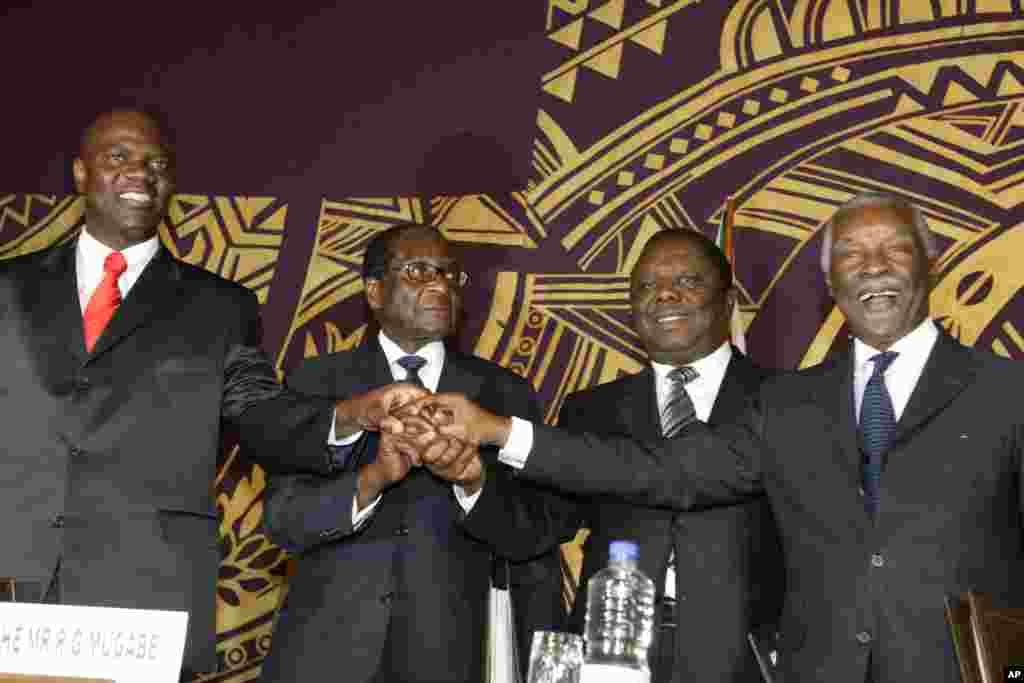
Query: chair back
{"points": [[987, 638], [998, 636]]}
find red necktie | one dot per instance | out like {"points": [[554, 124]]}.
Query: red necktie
{"points": [[105, 299]]}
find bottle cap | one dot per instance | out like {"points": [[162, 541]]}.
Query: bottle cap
{"points": [[623, 550]]}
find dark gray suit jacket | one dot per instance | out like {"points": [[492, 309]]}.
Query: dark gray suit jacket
{"points": [[729, 570], [410, 575], [857, 592], [108, 459]]}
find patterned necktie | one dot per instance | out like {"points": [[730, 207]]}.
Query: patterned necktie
{"points": [[412, 365], [877, 429], [105, 299], [678, 411]]}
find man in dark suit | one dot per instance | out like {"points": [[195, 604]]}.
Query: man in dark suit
{"points": [[718, 571], [894, 470], [113, 410], [388, 586]]}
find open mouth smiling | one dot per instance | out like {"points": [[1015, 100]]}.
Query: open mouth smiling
{"points": [[136, 198]]}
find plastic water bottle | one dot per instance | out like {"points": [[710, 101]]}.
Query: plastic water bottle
{"points": [[620, 620]]}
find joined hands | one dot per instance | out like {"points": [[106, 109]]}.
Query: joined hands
{"points": [[442, 432]]}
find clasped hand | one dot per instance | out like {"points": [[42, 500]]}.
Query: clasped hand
{"points": [[417, 428]]}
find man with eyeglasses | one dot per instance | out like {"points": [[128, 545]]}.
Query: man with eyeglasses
{"points": [[390, 586]]}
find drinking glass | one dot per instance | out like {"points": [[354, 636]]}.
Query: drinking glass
{"points": [[555, 657]]}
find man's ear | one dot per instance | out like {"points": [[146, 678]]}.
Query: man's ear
{"points": [[81, 175], [373, 294]]}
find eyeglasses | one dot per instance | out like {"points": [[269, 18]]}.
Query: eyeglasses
{"points": [[422, 272]]}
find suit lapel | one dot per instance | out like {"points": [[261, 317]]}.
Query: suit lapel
{"points": [[833, 391], [737, 384], [947, 372], [157, 289], [846, 413], [371, 371], [55, 312], [456, 378], [638, 409]]}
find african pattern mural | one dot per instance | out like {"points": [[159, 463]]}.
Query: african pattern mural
{"points": [[655, 113]]}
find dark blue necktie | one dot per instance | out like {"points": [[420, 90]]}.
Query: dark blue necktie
{"points": [[877, 429], [412, 365]]}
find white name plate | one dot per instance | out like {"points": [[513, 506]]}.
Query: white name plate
{"points": [[122, 645]]}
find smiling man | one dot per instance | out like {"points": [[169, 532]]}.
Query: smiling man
{"points": [[119, 365], [718, 572], [894, 469]]}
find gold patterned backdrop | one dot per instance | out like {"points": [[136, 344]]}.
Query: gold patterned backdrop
{"points": [[654, 112]]}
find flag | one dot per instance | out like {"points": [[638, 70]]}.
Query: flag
{"points": [[725, 242]]}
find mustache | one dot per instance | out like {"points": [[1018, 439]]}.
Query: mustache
{"points": [[880, 282]]}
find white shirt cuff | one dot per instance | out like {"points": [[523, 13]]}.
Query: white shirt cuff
{"points": [[360, 516], [520, 443], [466, 502], [346, 441]]}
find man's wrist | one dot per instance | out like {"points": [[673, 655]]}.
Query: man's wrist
{"points": [[498, 431], [346, 418], [369, 486]]}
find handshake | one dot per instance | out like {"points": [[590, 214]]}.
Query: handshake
{"points": [[442, 432]]}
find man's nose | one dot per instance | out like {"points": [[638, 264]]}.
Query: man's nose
{"points": [[440, 281], [667, 292], [876, 261], [138, 169]]}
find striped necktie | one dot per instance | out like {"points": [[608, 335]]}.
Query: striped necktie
{"points": [[678, 411]]}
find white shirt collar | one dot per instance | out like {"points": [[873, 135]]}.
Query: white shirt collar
{"points": [[90, 255], [710, 365], [433, 353], [137, 255], [902, 375], [917, 343], [702, 391]]}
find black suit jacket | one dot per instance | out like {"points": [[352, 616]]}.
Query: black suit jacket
{"points": [[108, 458], [410, 575], [729, 571], [857, 592]]}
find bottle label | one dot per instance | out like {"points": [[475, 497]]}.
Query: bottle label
{"points": [[609, 673]]}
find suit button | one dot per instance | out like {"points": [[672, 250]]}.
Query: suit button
{"points": [[877, 560], [76, 452], [82, 385], [863, 637], [402, 531], [387, 598], [57, 522]]}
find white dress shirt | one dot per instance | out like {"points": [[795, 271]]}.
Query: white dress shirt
{"points": [[704, 389], [90, 255], [903, 373]]}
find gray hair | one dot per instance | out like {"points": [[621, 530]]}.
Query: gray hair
{"points": [[874, 200]]}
